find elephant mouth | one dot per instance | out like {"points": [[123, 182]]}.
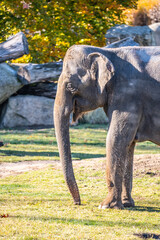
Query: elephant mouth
{"points": [[77, 111], [81, 106]]}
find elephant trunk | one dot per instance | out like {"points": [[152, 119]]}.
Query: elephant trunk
{"points": [[62, 109]]}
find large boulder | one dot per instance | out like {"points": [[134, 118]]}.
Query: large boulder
{"points": [[144, 35], [140, 34], [27, 111]]}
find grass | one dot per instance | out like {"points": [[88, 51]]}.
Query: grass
{"points": [[37, 205], [87, 141]]}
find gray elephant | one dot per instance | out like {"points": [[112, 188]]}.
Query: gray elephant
{"points": [[126, 83]]}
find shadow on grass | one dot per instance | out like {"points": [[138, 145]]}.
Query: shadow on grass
{"points": [[147, 146], [144, 209], [25, 153], [84, 222], [52, 142], [75, 156], [147, 235], [100, 144], [30, 141], [90, 126]]}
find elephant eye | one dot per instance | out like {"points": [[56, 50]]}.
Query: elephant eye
{"points": [[71, 89], [81, 72]]}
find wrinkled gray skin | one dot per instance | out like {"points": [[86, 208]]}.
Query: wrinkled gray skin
{"points": [[126, 83]]}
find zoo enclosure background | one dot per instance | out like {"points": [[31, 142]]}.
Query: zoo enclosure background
{"points": [[51, 27]]}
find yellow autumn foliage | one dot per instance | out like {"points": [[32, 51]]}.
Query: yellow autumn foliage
{"points": [[147, 4], [52, 26]]}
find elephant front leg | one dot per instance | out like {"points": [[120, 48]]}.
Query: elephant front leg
{"points": [[127, 200], [119, 139], [114, 176]]}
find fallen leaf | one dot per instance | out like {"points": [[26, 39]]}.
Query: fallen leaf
{"points": [[4, 215]]}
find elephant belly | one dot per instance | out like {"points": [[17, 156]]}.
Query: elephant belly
{"points": [[149, 129]]}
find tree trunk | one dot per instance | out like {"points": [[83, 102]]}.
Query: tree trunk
{"points": [[32, 73], [15, 47], [12, 80]]}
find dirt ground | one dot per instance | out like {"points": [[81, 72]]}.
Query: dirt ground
{"points": [[143, 164]]}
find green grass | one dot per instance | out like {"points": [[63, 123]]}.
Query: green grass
{"points": [[39, 206], [87, 141]]}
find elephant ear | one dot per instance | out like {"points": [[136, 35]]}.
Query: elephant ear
{"points": [[101, 68]]}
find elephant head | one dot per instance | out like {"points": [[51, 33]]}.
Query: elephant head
{"points": [[81, 88]]}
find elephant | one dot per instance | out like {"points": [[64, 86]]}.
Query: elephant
{"points": [[125, 82]]}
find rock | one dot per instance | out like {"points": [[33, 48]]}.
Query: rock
{"points": [[9, 83], [123, 43], [140, 34], [97, 116], [28, 111], [155, 28], [45, 89]]}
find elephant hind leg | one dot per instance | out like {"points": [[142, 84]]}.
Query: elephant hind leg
{"points": [[127, 200]]}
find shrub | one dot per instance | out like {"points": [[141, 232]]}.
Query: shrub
{"points": [[147, 12], [141, 17]]}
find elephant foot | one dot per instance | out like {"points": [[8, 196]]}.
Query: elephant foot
{"points": [[77, 202], [128, 202], [107, 203]]}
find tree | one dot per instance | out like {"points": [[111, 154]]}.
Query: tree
{"points": [[53, 26]]}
